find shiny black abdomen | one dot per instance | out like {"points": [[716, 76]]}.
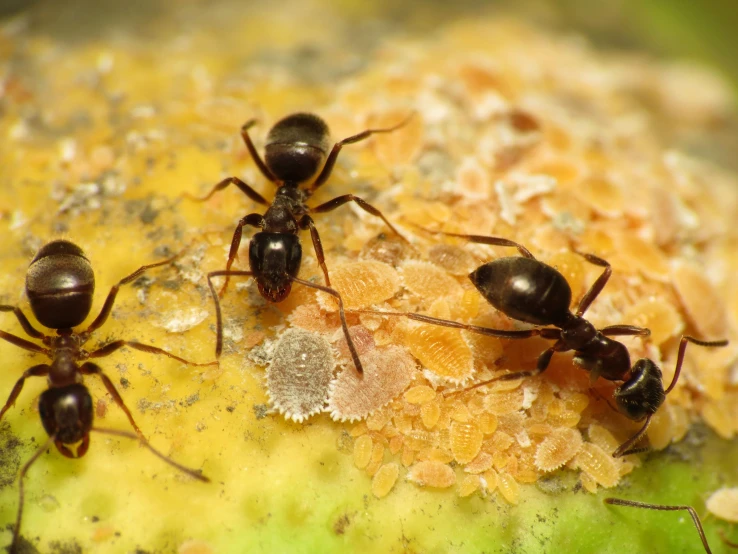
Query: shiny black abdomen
{"points": [[524, 289], [60, 285], [296, 147]]}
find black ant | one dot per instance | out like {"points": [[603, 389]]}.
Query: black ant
{"points": [[60, 285], [529, 290], [296, 148]]}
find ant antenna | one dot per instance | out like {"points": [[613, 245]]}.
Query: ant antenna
{"points": [[197, 474], [692, 513], [323, 288], [23, 471]]}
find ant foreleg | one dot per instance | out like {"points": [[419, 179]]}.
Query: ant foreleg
{"points": [[252, 220], [40, 370], [342, 315], [88, 368]]}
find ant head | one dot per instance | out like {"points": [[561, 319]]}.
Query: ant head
{"points": [[66, 413], [60, 284], [642, 394], [296, 147], [274, 258]]}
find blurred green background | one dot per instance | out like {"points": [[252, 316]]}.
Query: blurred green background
{"points": [[702, 31]]}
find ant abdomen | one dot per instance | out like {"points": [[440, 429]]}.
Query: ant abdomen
{"points": [[296, 147], [66, 413], [643, 394], [60, 284], [524, 289]]}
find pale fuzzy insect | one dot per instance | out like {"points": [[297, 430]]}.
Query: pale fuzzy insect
{"points": [[466, 441], [299, 374], [723, 503], [598, 464], [509, 487], [432, 474], [443, 351], [387, 372], [454, 259], [384, 480], [363, 451], [557, 449], [469, 485], [704, 305], [425, 280], [480, 464], [361, 284]]}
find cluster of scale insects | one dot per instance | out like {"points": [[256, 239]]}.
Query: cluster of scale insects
{"points": [[298, 160]]}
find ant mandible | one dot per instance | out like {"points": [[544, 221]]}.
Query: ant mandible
{"points": [[296, 147], [60, 285], [529, 290]]}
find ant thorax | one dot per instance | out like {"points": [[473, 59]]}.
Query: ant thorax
{"points": [[579, 334]]}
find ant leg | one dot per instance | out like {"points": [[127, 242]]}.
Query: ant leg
{"points": [[625, 448], [88, 368], [597, 394], [728, 542], [543, 361], [681, 352], [110, 300], [499, 333], [246, 189], [111, 347], [625, 330], [482, 239], [598, 285], [40, 370], [252, 150], [23, 343], [30, 330], [692, 513], [253, 220], [342, 315], [191, 472], [333, 156], [16, 532], [218, 315], [363, 204], [307, 223]]}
